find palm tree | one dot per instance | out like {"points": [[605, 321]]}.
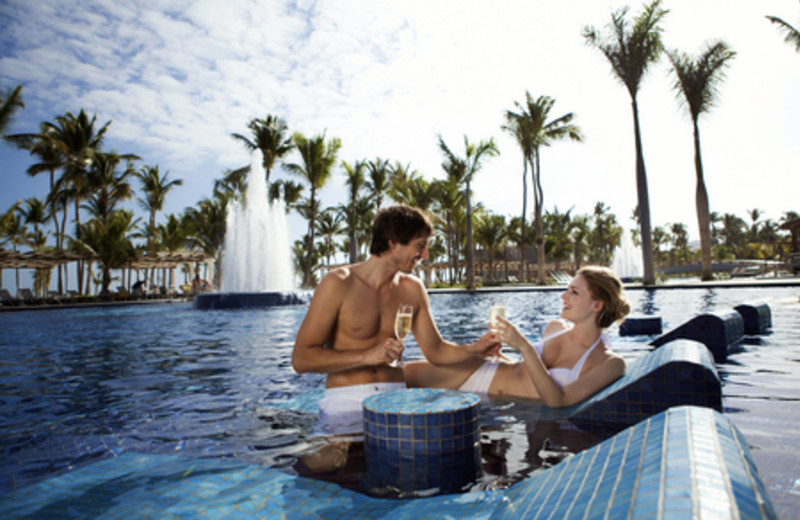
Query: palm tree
{"points": [[605, 236], [110, 241], [205, 229], [792, 35], [109, 186], [78, 141], [465, 169], [517, 124], [378, 182], [580, 233], [10, 102], [354, 182], [318, 158], [270, 135], [531, 124], [491, 233], [558, 235], [449, 201], [172, 236], [697, 80], [15, 232], [755, 216], [330, 225], [155, 188], [631, 50]]}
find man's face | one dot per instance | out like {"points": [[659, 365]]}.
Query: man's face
{"points": [[409, 255]]}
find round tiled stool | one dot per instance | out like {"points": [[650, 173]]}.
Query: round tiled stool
{"points": [[421, 440]]}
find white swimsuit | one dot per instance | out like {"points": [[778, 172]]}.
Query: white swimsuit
{"points": [[565, 376]]}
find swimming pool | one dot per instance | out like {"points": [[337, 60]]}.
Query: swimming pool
{"points": [[80, 385]]}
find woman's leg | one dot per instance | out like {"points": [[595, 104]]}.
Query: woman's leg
{"points": [[424, 374]]}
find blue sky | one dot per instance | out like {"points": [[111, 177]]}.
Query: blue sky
{"points": [[178, 77]]}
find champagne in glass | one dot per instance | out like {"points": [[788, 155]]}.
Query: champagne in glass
{"points": [[402, 326], [497, 310]]}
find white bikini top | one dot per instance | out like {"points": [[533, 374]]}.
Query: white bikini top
{"points": [[565, 376]]}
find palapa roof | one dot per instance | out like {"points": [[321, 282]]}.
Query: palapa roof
{"points": [[39, 260]]}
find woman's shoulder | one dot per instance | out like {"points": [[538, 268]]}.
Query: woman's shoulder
{"points": [[554, 327]]}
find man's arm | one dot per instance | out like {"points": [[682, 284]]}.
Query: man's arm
{"points": [[311, 353], [438, 350]]}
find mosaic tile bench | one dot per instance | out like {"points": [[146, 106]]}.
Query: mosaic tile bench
{"points": [[757, 318], [681, 372], [687, 462], [719, 331]]}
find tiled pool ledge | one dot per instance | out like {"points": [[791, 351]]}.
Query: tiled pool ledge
{"points": [[683, 463], [681, 372]]}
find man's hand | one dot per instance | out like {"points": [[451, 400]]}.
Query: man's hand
{"points": [[384, 352], [487, 346]]}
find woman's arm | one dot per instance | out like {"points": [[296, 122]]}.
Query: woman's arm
{"points": [[595, 379]]}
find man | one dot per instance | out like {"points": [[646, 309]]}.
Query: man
{"points": [[348, 332]]}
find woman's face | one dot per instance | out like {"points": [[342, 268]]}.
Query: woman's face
{"points": [[578, 301]]}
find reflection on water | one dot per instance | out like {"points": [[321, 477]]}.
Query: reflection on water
{"points": [[77, 385]]}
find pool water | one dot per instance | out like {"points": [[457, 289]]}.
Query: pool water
{"points": [[83, 384]]}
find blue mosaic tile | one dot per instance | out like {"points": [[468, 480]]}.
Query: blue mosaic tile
{"points": [[679, 373], [434, 443], [719, 331], [757, 318]]}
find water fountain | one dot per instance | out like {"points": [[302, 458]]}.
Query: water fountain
{"points": [[627, 260], [256, 259]]}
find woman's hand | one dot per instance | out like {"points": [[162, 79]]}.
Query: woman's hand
{"points": [[509, 334]]}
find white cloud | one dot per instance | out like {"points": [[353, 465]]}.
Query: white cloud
{"points": [[388, 77]]}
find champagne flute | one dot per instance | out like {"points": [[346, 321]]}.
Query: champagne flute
{"points": [[402, 326], [497, 310]]}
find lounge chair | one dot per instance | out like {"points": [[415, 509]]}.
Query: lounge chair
{"points": [[8, 300], [28, 298]]}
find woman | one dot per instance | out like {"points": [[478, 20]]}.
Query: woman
{"points": [[567, 366]]}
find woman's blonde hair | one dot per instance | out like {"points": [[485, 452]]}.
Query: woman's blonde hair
{"points": [[605, 285]]}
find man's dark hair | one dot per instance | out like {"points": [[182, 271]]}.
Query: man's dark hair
{"points": [[399, 224]]}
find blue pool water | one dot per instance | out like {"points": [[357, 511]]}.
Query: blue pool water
{"points": [[80, 385]]}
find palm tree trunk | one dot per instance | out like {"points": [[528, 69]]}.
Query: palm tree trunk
{"points": [[470, 252], [703, 216], [644, 202], [538, 200], [522, 259]]}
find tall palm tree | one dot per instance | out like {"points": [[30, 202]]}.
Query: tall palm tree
{"points": [[317, 160], [355, 182], [531, 123], [450, 205], [270, 135], [631, 50], [155, 188], [377, 183], [465, 168], [10, 103], [78, 141], [792, 34], [697, 80], [518, 125]]}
